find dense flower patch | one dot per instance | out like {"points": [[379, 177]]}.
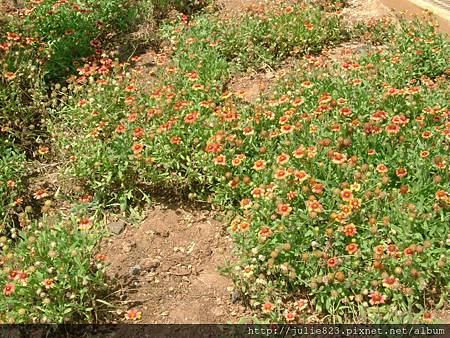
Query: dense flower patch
{"points": [[40, 43], [338, 182], [46, 278]]}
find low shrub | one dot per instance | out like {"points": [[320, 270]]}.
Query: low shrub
{"points": [[48, 275], [268, 37], [13, 174]]}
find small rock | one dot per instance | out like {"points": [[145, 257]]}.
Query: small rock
{"points": [[218, 312], [235, 296], [164, 233], [135, 270], [116, 227], [149, 264]]}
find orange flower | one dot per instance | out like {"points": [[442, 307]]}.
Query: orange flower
{"points": [[130, 100], [350, 230], [13, 36], [301, 304], [43, 150], [377, 298], [265, 232], [379, 116], [351, 248], [258, 192], [132, 117], [298, 101], [220, 160], [346, 112], [287, 128], [48, 283], [408, 251], [391, 282], [318, 188], [246, 203], [332, 262], [283, 159], [289, 9], [197, 86], [347, 195], [214, 148], [289, 316], [268, 307], [382, 169], [309, 26], [301, 176], [192, 117], [401, 172], [312, 152], [133, 314], [5, 46], [355, 203], [299, 152], [85, 224], [428, 316], [175, 140], [338, 158], [314, 206], [379, 249], [427, 134], [245, 226], [284, 209], [346, 209], [9, 289], [441, 195], [392, 250], [137, 148], [10, 76], [139, 133], [392, 128], [259, 165], [291, 195], [40, 194], [281, 174]]}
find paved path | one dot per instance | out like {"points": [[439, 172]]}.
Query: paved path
{"points": [[441, 8]]}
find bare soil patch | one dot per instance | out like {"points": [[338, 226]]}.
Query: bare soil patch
{"points": [[366, 10], [253, 85], [167, 267]]}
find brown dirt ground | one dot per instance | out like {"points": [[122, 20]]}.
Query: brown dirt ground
{"points": [[364, 10], [254, 85], [175, 253]]}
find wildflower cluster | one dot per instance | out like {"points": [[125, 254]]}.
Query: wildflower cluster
{"points": [[338, 181], [46, 275]]}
